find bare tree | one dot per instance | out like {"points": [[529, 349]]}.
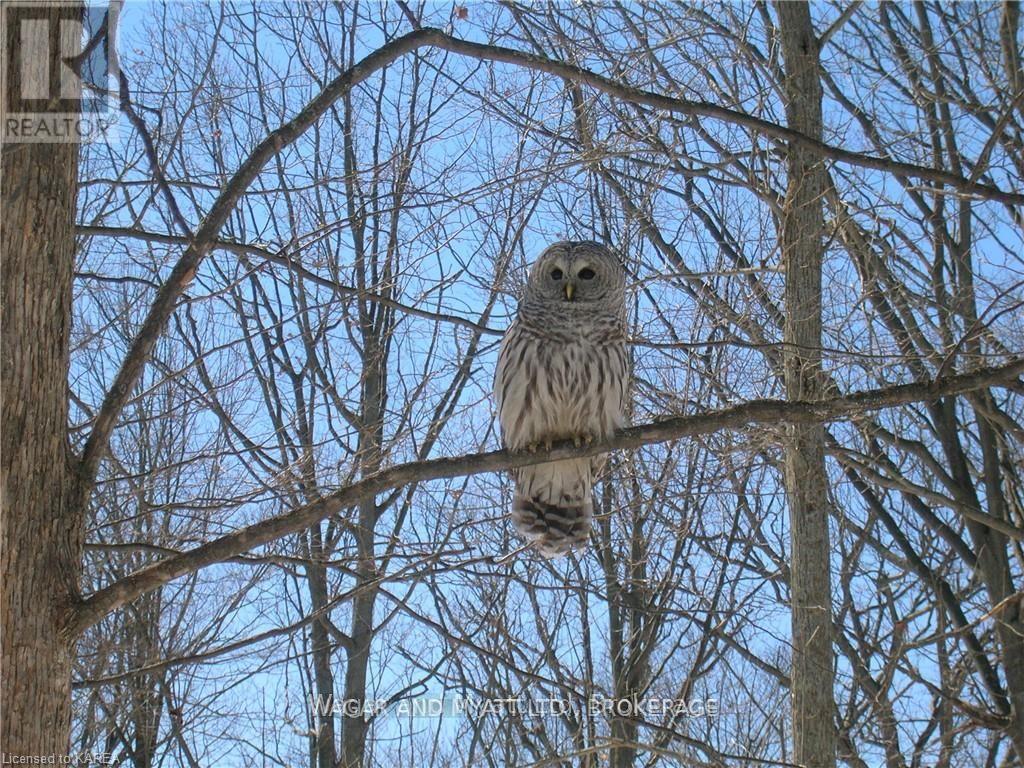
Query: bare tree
{"points": [[290, 279]]}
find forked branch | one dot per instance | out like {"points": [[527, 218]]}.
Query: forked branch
{"points": [[206, 236], [756, 412]]}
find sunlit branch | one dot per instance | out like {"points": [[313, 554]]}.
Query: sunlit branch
{"points": [[756, 412]]}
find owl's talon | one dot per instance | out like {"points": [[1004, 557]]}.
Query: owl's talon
{"points": [[584, 439]]}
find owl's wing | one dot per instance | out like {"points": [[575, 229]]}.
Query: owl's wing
{"points": [[508, 379], [502, 370]]}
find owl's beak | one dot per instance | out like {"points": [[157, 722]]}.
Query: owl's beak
{"points": [[570, 289]]}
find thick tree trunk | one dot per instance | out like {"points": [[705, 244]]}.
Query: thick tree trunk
{"points": [[41, 525], [814, 736]]}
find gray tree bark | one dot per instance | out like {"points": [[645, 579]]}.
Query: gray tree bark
{"points": [[802, 241], [41, 523]]}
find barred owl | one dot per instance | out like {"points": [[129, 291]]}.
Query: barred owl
{"points": [[563, 373]]}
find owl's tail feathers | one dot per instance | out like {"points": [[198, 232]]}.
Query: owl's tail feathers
{"points": [[553, 530], [552, 506]]}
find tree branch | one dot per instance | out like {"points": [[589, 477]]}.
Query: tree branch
{"points": [[99, 604], [185, 269], [612, 87], [289, 261]]}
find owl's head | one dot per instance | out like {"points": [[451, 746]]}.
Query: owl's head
{"points": [[577, 274]]}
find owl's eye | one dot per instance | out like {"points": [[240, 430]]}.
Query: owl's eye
{"points": [[556, 274], [587, 273]]}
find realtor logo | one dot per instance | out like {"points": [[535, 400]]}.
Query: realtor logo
{"points": [[59, 71]]}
